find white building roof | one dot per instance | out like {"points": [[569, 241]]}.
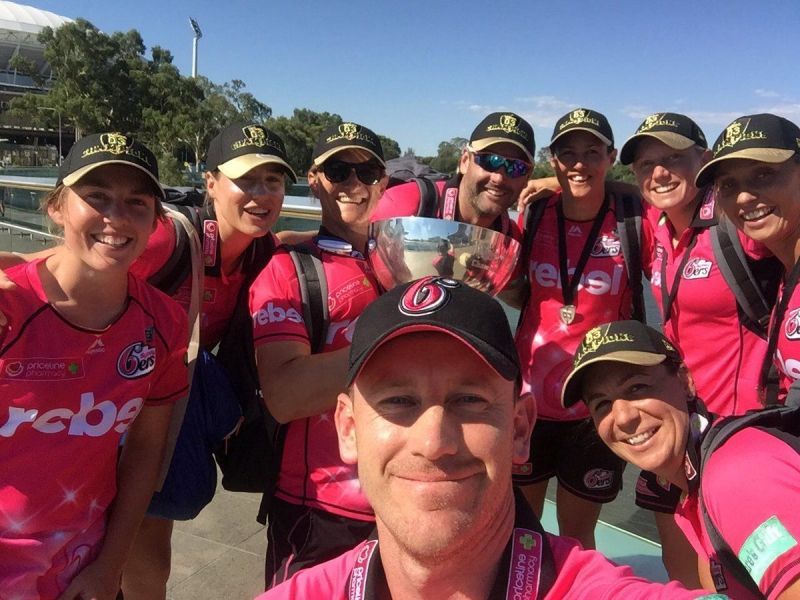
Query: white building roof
{"points": [[24, 19]]}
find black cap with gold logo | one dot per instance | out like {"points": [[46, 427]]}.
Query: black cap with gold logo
{"points": [[241, 147], [584, 119], [763, 137], [347, 136], [96, 150], [504, 127], [630, 342], [673, 129]]}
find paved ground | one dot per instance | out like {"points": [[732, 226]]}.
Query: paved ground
{"points": [[220, 554]]}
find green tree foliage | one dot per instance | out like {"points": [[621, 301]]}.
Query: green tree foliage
{"points": [[446, 159], [620, 172], [542, 166], [106, 82], [391, 149], [300, 132]]}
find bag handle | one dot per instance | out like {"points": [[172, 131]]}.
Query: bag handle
{"points": [[179, 410]]}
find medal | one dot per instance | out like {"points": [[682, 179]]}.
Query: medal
{"points": [[567, 313]]}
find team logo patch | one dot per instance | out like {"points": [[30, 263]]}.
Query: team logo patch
{"points": [[41, 369], [605, 246], [598, 479], [707, 209], [137, 360], [426, 296], [737, 133], [348, 291], [210, 241], [792, 327], [697, 268]]}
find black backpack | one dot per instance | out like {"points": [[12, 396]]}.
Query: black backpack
{"points": [[754, 283], [403, 170], [780, 421], [250, 459], [628, 211]]}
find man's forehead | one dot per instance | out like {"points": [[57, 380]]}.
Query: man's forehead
{"points": [[574, 138]]}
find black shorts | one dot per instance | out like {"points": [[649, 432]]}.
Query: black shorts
{"points": [[299, 537], [573, 452], [657, 494]]}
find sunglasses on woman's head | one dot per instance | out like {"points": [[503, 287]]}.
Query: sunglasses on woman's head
{"points": [[337, 171]]}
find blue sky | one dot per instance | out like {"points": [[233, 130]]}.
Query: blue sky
{"points": [[422, 72]]}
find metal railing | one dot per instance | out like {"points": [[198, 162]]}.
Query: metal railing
{"points": [[23, 228]]}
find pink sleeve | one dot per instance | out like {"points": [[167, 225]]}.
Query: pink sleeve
{"points": [[398, 201], [587, 574], [326, 581], [276, 305], [751, 487]]}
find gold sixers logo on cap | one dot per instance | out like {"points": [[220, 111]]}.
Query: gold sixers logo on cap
{"points": [[348, 130], [118, 144], [597, 338], [656, 120], [579, 116], [255, 135], [736, 133], [507, 123]]}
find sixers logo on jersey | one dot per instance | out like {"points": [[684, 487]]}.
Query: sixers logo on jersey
{"points": [[606, 245], [792, 327], [697, 268], [137, 360], [426, 296]]}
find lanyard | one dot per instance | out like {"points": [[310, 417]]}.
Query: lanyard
{"points": [[775, 324], [570, 285], [668, 295]]}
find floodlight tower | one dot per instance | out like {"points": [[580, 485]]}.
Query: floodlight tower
{"points": [[197, 35]]}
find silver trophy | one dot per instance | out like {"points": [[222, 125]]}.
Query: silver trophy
{"points": [[403, 249]]}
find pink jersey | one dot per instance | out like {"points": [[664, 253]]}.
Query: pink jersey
{"points": [[750, 487], [220, 291], [723, 356], [546, 345], [312, 473], [580, 575], [787, 351], [67, 395], [403, 201]]}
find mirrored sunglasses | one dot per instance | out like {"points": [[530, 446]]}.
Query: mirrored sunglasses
{"points": [[514, 167]]}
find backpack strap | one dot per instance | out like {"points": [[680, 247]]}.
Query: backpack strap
{"points": [[313, 294], [733, 265], [628, 210], [428, 197], [179, 264], [780, 418]]}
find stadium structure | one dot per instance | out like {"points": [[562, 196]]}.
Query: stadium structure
{"points": [[23, 142]]}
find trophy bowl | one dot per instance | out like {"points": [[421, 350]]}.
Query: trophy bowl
{"points": [[403, 249]]}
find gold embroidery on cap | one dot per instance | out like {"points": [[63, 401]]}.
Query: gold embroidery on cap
{"points": [[736, 133], [597, 338], [656, 120], [578, 117], [256, 136], [508, 124], [350, 132], [117, 144]]}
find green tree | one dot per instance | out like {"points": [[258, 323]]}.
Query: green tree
{"points": [[391, 149], [542, 167], [97, 78], [620, 172], [446, 159], [300, 132]]}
